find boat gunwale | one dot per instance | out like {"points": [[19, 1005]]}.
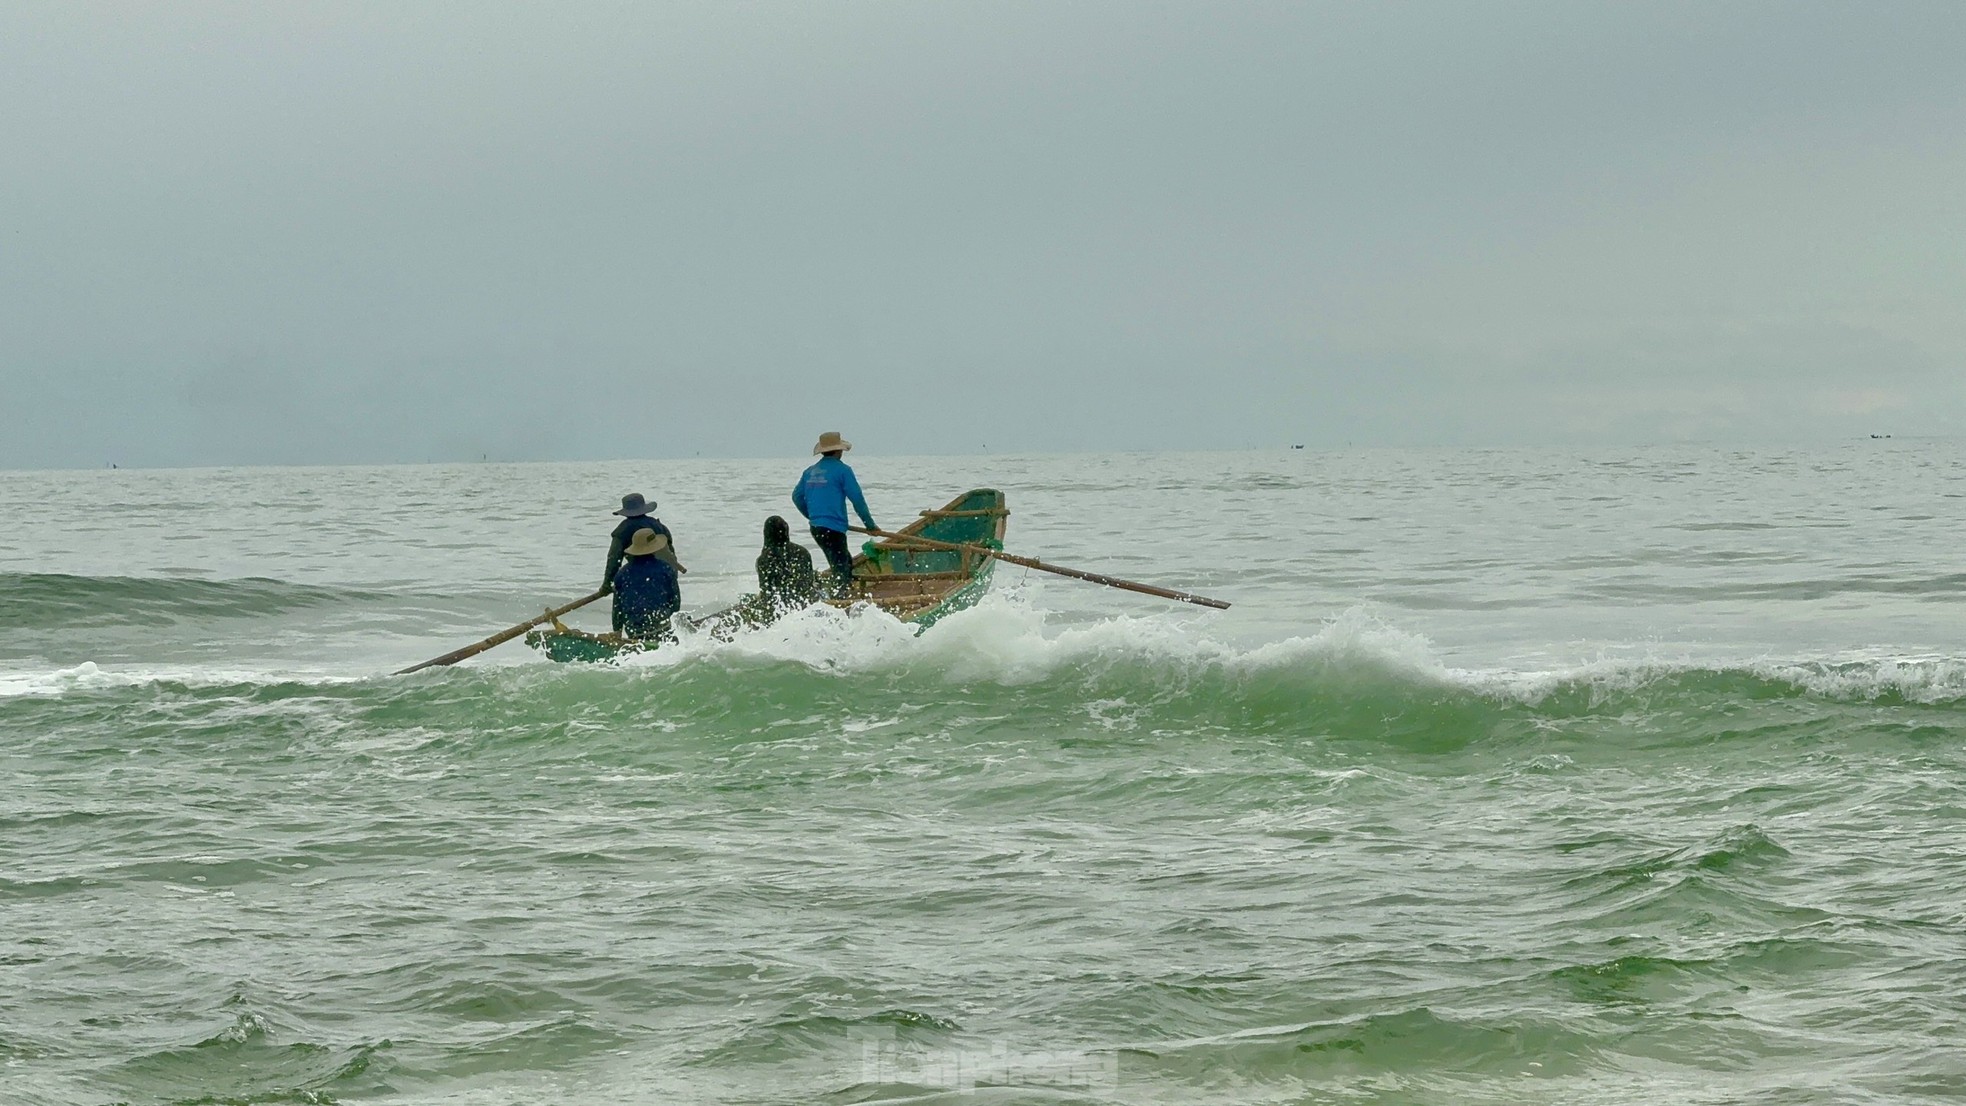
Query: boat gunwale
{"points": [[960, 580]]}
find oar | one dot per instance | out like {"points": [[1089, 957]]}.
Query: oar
{"points": [[1027, 562], [501, 637]]}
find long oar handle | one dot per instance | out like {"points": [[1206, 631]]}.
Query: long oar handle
{"points": [[500, 637], [1027, 562]]}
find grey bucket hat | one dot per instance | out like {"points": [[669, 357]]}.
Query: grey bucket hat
{"points": [[634, 506]]}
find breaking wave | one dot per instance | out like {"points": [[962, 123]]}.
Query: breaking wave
{"points": [[54, 600], [1000, 667]]}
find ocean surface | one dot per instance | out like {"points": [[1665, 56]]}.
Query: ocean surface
{"points": [[1510, 777]]}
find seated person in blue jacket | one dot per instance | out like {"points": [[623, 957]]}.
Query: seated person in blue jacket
{"points": [[646, 594], [821, 495], [636, 515]]}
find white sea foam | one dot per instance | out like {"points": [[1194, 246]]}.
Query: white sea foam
{"points": [[1005, 639], [1010, 640], [89, 676], [1920, 679], [1926, 679], [86, 676]]}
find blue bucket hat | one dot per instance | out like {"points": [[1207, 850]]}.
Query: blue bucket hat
{"points": [[634, 506]]}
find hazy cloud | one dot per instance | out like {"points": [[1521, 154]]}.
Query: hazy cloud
{"points": [[365, 231]]}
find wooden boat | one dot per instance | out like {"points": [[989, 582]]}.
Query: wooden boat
{"points": [[921, 585], [914, 583]]}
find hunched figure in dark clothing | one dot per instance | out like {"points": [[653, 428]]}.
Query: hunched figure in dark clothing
{"points": [[786, 580]]}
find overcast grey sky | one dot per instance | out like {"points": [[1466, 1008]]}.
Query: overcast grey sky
{"points": [[341, 232]]}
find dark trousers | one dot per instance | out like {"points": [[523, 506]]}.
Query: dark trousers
{"points": [[833, 544]]}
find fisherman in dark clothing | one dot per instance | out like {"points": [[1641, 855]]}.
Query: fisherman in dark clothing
{"points": [[786, 580], [821, 495], [646, 594], [635, 516]]}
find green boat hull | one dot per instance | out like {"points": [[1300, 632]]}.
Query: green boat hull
{"points": [[961, 599], [578, 648]]}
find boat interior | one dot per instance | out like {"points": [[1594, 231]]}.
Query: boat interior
{"points": [[908, 579]]}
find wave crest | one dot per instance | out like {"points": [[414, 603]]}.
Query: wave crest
{"points": [[1353, 678], [54, 600]]}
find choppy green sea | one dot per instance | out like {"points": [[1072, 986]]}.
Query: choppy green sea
{"points": [[1511, 777]]}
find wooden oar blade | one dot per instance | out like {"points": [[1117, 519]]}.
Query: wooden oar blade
{"points": [[500, 637]]}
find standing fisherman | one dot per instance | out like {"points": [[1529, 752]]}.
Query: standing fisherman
{"points": [[821, 495], [635, 516]]}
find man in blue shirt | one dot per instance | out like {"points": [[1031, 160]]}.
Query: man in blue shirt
{"points": [[821, 495]]}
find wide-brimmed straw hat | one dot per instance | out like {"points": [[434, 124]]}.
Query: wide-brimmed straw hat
{"points": [[634, 506], [830, 441], [646, 542]]}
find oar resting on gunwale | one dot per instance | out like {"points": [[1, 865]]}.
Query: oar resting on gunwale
{"points": [[1028, 562]]}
